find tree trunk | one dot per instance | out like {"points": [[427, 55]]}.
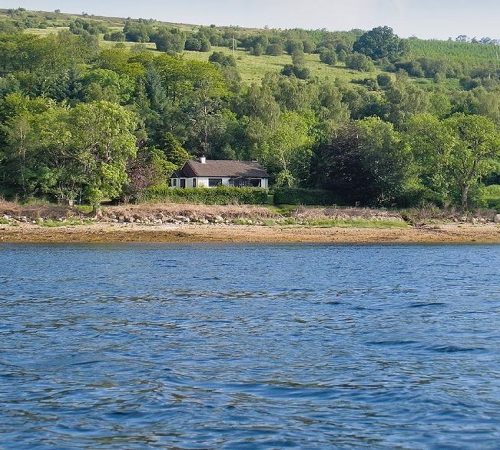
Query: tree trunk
{"points": [[465, 197], [96, 210]]}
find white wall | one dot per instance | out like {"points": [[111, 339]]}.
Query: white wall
{"points": [[204, 181]]}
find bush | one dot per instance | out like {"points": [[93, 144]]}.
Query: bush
{"points": [[296, 196], [221, 195], [360, 62], [116, 36], [328, 56], [302, 73], [222, 59], [384, 80], [491, 196], [274, 50]]}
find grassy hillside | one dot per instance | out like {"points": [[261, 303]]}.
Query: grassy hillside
{"points": [[253, 68]]}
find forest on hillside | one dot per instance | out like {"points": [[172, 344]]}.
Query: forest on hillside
{"points": [[106, 109]]}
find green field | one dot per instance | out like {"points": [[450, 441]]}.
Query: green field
{"points": [[253, 68], [451, 50]]}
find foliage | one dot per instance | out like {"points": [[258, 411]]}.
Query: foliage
{"points": [[453, 155], [169, 40], [381, 42], [298, 196], [86, 119], [222, 59], [491, 196], [173, 151], [358, 61], [69, 154], [366, 162], [475, 148], [150, 169], [328, 56], [222, 195]]}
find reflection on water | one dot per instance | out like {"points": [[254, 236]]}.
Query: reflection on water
{"points": [[249, 346]]}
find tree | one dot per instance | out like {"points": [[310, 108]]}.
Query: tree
{"points": [[366, 162], [169, 40], [388, 158], [298, 58], [431, 143], [405, 99], [138, 31], [292, 45], [337, 165], [287, 149], [300, 72], [173, 150], [328, 56], [453, 155], [274, 49], [381, 42], [384, 80], [104, 84], [476, 146], [148, 170], [102, 142], [115, 36], [222, 59], [358, 61], [193, 44]]}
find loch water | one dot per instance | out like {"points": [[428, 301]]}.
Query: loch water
{"points": [[238, 346]]}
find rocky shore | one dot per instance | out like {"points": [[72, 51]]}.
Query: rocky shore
{"points": [[245, 224]]}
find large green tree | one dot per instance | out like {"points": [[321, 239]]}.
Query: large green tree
{"points": [[103, 141], [381, 42], [365, 162], [474, 153], [453, 155]]}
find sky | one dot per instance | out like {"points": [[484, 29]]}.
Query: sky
{"points": [[438, 19]]}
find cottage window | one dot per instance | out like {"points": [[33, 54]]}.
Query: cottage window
{"points": [[174, 182], [214, 182], [194, 182]]}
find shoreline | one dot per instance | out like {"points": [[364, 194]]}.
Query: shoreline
{"points": [[109, 233]]}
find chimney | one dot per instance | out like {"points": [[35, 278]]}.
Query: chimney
{"points": [[203, 160]]}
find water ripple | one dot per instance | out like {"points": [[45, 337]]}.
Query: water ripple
{"points": [[200, 347]]}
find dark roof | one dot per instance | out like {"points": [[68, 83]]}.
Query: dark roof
{"points": [[223, 168]]}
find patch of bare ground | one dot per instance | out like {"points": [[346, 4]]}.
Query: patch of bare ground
{"points": [[222, 233]]}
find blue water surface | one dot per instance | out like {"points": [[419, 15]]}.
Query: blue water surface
{"points": [[198, 347]]}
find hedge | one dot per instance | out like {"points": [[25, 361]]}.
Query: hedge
{"points": [[221, 195], [296, 196]]}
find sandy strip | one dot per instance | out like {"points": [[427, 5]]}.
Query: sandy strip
{"points": [[121, 233]]}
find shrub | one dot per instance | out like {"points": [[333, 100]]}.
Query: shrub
{"points": [[358, 61], [328, 56], [384, 80], [116, 36], [221, 195], [274, 50], [222, 59], [302, 73], [297, 196], [491, 196]]}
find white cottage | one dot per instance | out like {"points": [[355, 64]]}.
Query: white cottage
{"points": [[213, 173]]}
